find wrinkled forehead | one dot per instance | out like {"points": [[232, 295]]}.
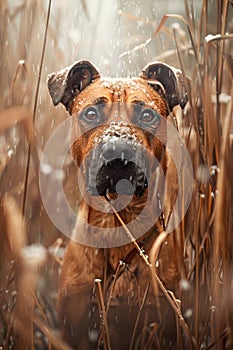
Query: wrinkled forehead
{"points": [[120, 92]]}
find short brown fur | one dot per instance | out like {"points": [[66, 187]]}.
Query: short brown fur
{"points": [[77, 304]]}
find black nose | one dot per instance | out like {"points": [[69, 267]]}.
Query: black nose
{"points": [[117, 150]]}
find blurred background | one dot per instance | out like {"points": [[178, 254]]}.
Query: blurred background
{"points": [[120, 38]]}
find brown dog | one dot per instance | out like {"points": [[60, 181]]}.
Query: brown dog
{"points": [[119, 143]]}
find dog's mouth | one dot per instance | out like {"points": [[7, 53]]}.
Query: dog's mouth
{"points": [[121, 177], [117, 168]]}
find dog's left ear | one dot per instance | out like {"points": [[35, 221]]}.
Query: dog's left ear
{"points": [[172, 80], [69, 82]]}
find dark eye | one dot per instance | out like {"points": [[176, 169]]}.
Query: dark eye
{"points": [[149, 116], [90, 114]]}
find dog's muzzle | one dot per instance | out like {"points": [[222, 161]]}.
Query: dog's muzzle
{"points": [[116, 160]]}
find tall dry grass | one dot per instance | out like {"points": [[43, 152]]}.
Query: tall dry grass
{"points": [[32, 248]]}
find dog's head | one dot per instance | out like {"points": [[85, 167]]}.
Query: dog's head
{"points": [[119, 127]]}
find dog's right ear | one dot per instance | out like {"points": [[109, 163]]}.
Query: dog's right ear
{"points": [[69, 82]]}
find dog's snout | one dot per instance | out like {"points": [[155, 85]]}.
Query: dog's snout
{"points": [[119, 166], [117, 150]]}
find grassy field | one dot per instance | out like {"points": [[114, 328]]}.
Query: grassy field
{"points": [[31, 246]]}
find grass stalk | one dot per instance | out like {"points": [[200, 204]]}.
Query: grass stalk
{"points": [[138, 317], [53, 338], [35, 109], [221, 252], [119, 266], [197, 270], [103, 315], [129, 234]]}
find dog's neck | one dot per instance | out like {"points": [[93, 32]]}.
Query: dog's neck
{"points": [[99, 212], [98, 225], [103, 229]]}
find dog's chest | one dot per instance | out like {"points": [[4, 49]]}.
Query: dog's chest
{"points": [[131, 277]]}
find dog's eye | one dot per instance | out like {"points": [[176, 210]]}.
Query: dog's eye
{"points": [[149, 116], [90, 115]]}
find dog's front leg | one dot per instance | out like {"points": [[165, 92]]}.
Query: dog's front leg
{"points": [[78, 311]]}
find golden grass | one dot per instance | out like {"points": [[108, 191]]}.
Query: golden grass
{"points": [[28, 271]]}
